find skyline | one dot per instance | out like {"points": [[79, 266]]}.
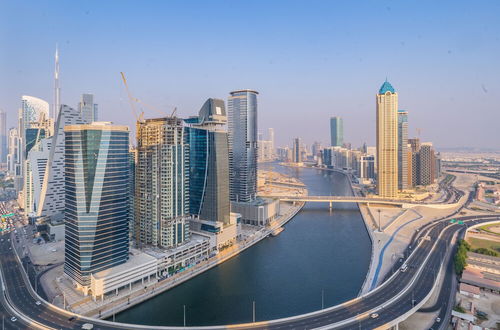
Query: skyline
{"points": [[448, 49]]}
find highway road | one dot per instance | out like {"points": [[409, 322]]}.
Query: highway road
{"points": [[395, 297], [430, 254]]}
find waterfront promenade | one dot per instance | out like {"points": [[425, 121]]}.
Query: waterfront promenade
{"points": [[108, 308], [64, 296]]}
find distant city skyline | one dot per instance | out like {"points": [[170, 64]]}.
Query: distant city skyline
{"points": [[443, 61]]}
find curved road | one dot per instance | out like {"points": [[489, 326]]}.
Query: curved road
{"points": [[390, 300]]}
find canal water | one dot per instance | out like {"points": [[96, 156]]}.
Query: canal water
{"points": [[320, 253]]}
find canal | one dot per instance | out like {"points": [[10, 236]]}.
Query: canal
{"points": [[319, 253]]}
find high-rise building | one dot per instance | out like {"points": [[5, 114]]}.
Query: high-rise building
{"points": [[437, 169], [264, 151], [209, 163], [242, 134], [402, 149], [367, 167], [284, 154], [410, 166], [37, 126], [87, 108], [35, 171], [427, 164], [337, 131], [265, 148], [3, 137], [316, 149], [97, 200], [57, 89], [387, 141], [297, 150], [414, 144], [270, 132], [414, 149], [52, 195], [131, 180], [13, 155], [162, 183], [34, 112]]}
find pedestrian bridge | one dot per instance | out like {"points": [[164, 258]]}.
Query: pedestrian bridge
{"points": [[404, 203]]}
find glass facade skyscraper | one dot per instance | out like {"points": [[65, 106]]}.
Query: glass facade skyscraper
{"points": [[97, 199], [3, 137], [336, 131], [208, 163], [87, 108], [402, 149], [242, 133]]}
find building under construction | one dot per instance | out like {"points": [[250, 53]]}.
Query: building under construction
{"points": [[162, 183]]}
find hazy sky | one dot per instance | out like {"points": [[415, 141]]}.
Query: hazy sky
{"points": [[308, 59]]}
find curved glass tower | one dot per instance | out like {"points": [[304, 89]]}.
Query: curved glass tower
{"points": [[97, 200], [208, 163], [242, 132]]}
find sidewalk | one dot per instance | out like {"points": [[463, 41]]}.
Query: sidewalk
{"points": [[55, 283]]}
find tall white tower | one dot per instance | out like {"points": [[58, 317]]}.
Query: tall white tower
{"points": [[57, 89], [387, 141]]}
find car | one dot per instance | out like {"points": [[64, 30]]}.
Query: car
{"points": [[438, 319], [13, 319], [374, 315], [72, 318], [38, 303], [404, 268]]}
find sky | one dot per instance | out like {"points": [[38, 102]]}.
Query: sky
{"points": [[309, 60]]}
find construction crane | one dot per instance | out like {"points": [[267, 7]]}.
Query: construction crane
{"points": [[133, 100], [173, 113]]}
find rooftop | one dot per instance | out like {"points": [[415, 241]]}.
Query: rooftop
{"points": [[386, 87], [470, 288], [160, 253], [136, 258], [244, 91]]}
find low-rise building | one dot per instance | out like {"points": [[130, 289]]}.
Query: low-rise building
{"points": [[219, 234], [470, 290], [489, 264], [259, 212], [140, 267], [171, 261], [481, 279]]}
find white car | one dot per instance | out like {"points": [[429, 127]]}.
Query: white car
{"points": [[38, 303], [438, 319], [374, 315], [13, 319]]}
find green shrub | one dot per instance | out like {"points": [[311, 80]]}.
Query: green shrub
{"points": [[461, 256], [486, 251]]}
